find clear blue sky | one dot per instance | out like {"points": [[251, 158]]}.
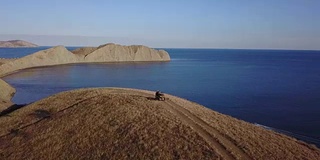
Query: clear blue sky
{"points": [[279, 24]]}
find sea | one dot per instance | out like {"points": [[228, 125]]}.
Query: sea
{"points": [[275, 89]]}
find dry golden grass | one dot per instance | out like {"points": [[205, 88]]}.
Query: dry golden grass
{"points": [[4, 104], [6, 60], [129, 124], [256, 141]]}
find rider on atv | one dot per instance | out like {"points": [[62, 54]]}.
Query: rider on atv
{"points": [[159, 96]]}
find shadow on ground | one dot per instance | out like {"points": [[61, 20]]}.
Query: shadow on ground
{"points": [[11, 109]]}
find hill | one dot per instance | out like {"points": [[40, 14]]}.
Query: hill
{"points": [[104, 53], [115, 53], [16, 43], [113, 123]]}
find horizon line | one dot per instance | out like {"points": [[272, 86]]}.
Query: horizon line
{"points": [[284, 49]]}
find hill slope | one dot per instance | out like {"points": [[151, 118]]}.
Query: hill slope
{"points": [[105, 53], [53, 56], [129, 124], [16, 43], [6, 93], [114, 53]]}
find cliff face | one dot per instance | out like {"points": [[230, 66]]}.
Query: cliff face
{"points": [[105, 53], [16, 43], [118, 53]]}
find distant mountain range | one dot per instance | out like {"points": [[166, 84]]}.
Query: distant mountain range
{"points": [[16, 43]]}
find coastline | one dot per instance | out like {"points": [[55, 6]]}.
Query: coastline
{"points": [[66, 64], [89, 63]]}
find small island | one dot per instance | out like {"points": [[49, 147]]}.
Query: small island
{"points": [[16, 43]]}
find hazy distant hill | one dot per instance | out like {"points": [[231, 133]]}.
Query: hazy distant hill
{"points": [[17, 43]]}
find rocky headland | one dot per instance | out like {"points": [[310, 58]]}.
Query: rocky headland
{"points": [[104, 53], [16, 43]]}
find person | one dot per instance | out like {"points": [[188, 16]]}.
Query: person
{"points": [[158, 95]]}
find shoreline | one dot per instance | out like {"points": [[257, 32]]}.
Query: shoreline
{"points": [[67, 64], [122, 62]]}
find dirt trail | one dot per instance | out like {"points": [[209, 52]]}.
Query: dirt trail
{"points": [[221, 144], [226, 148], [212, 141]]}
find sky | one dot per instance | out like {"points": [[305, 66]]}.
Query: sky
{"points": [[250, 24]]}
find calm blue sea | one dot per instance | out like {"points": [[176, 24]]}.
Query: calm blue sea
{"points": [[275, 88]]}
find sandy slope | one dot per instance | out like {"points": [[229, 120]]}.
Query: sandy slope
{"points": [[129, 124], [6, 93], [6, 60], [104, 53]]}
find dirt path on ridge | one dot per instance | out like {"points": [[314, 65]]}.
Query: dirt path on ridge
{"points": [[220, 143]]}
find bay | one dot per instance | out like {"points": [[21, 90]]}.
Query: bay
{"points": [[279, 89]]}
